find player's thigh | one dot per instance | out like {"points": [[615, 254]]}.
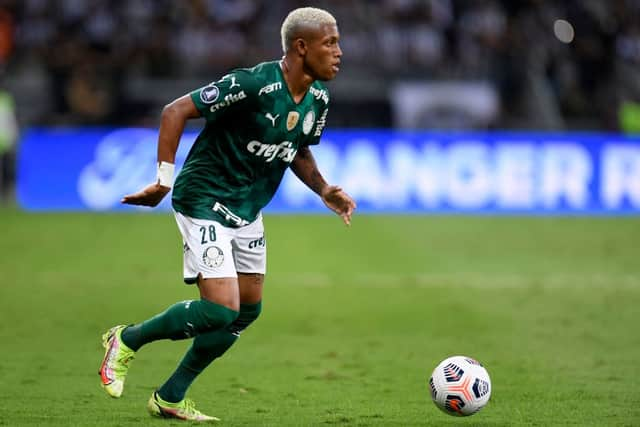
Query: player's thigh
{"points": [[209, 259], [250, 248], [223, 291], [251, 285], [250, 255]]}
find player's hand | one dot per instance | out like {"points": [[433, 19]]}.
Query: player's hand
{"points": [[151, 195], [339, 202]]}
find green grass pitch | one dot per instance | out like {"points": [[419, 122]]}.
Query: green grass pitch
{"points": [[354, 320]]}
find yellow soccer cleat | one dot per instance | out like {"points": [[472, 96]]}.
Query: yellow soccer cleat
{"points": [[116, 361], [183, 410]]}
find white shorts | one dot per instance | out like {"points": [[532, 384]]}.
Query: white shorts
{"points": [[216, 251]]}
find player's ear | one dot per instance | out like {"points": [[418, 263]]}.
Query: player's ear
{"points": [[300, 45]]}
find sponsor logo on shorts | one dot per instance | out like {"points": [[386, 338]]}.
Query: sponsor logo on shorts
{"points": [[209, 94], [213, 257], [258, 243]]}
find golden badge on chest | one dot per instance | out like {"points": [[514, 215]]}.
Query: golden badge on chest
{"points": [[292, 119]]}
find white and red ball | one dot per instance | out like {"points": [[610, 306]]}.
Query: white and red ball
{"points": [[460, 386]]}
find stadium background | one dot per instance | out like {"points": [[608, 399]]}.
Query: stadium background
{"points": [[355, 319], [119, 61]]}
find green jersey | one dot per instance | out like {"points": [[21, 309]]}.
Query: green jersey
{"points": [[252, 133]]}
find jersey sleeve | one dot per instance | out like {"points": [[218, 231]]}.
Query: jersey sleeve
{"points": [[232, 94], [314, 138], [321, 106]]}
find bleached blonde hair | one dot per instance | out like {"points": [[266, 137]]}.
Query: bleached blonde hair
{"points": [[300, 18]]}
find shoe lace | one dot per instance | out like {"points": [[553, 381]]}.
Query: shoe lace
{"points": [[123, 365], [120, 368], [189, 407]]}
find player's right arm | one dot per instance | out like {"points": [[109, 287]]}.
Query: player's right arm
{"points": [[172, 123]]}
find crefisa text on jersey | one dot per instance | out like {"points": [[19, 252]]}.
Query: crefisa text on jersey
{"points": [[320, 124], [228, 100], [283, 150], [319, 94]]}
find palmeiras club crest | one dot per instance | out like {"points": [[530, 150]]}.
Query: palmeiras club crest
{"points": [[213, 257], [308, 121]]}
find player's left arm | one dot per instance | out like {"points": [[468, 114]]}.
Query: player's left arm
{"points": [[172, 122], [305, 167]]}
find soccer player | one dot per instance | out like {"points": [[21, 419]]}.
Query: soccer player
{"points": [[259, 122]]}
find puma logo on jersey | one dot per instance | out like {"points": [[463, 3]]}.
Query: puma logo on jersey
{"points": [[272, 118], [284, 150], [231, 77]]}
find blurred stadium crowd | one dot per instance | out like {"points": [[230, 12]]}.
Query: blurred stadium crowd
{"points": [[119, 61]]}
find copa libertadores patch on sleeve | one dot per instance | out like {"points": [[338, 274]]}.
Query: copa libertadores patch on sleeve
{"points": [[209, 94]]}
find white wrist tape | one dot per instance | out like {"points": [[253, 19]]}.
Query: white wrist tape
{"points": [[165, 174]]}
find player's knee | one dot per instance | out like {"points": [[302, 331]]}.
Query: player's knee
{"points": [[216, 316], [248, 314]]}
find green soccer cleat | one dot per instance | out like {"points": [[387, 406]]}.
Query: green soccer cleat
{"points": [[116, 361], [183, 410]]}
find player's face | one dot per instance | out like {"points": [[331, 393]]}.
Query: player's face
{"points": [[322, 60]]}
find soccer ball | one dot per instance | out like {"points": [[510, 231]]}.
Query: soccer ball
{"points": [[460, 386]]}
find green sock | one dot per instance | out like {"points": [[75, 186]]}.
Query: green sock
{"points": [[182, 320], [204, 350]]}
